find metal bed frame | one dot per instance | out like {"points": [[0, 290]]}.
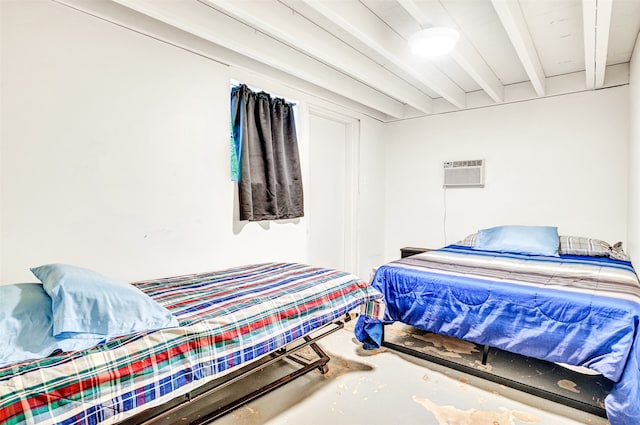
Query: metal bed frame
{"points": [[176, 409], [555, 396]]}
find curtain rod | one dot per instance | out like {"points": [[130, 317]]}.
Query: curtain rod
{"points": [[257, 90]]}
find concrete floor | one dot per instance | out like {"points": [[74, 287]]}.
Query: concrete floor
{"points": [[386, 387]]}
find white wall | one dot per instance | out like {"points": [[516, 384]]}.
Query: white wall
{"points": [[372, 220], [634, 154], [115, 154], [556, 161]]}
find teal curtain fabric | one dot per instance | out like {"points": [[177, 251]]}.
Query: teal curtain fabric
{"points": [[235, 155], [264, 156]]}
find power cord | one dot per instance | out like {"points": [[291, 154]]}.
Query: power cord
{"points": [[444, 219]]}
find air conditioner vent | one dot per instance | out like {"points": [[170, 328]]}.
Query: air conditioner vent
{"points": [[464, 173]]}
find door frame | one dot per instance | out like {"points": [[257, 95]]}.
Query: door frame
{"points": [[352, 187]]}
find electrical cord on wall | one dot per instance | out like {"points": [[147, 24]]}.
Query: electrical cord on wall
{"points": [[444, 218]]}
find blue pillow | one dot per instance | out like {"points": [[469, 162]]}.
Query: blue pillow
{"points": [[531, 240], [86, 303], [26, 325]]}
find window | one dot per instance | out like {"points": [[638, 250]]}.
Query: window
{"points": [[264, 156]]}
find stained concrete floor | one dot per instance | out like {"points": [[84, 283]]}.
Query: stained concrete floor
{"points": [[387, 387]]}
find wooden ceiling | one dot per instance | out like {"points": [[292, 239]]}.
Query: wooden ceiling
{"points": [[509, 50]]}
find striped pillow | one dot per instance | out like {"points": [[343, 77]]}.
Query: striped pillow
{"points": [[470, 240], [578, 245]]}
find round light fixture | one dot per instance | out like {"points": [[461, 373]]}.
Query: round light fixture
{"points": [[433, 42]]}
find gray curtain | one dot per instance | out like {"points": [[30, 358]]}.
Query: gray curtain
{"points": [[266, 146]]}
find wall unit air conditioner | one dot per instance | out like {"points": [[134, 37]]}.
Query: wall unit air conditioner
{"points": [[464, 173]]}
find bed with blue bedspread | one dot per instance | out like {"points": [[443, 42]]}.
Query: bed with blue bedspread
{"points": [[224, 320], [575, 309]]}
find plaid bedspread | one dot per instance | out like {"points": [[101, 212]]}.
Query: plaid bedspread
{"points": [[227, 319]]}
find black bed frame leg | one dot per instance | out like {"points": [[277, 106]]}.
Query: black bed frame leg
{"points": [[324, 358], [485, 354]]}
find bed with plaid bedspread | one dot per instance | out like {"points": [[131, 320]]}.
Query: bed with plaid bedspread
{"points": [[227, 319]]}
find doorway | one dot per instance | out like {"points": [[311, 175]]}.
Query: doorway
{"points": [[333, 190]]}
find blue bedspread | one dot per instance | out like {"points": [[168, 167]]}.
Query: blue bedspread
{"points": [[584, 311]]}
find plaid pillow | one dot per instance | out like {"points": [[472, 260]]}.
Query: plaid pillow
{"points": [[469, 240], [617, 253], [577, 245]]}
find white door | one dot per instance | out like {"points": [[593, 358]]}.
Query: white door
{"points": [[332, 190]]}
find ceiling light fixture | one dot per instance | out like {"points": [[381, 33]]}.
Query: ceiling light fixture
{"points": [[433, 42]]}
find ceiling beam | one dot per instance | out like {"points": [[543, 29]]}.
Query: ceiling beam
{"points": [[596, 19], [282, 23], [515, 25], [589, 8], [431, 14], [223, 30], [239, 66], [359, 21], [603, 23]]}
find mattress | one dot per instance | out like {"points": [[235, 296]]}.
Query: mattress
{"points": [[578, 310], [227, 319]]}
